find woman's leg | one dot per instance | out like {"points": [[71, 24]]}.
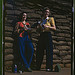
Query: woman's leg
{"points": [[39, 52], [30, 51], [49, 53], [22, 50]]}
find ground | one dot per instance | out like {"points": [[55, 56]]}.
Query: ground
{"points": [[63, 71]]}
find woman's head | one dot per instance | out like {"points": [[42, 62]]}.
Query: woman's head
{"points": [[46, 12], [23, 16]]}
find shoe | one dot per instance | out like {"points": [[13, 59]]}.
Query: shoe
{"points": [[28, 70], [20, 72], [49, 70]]}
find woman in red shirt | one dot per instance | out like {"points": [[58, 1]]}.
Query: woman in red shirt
{"points": [[25, 45]]}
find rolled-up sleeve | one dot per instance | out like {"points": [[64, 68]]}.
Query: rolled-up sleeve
{"points": [[52, 21]]}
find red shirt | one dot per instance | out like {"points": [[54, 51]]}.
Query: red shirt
{"points": [[21, 25]]}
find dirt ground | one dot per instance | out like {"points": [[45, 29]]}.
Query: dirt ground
{"points": [[63, 71]]}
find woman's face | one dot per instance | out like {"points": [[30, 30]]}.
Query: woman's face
{"points": [[24, 16], [47, 12]]}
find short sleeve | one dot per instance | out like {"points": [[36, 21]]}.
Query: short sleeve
{"points": [[52, 21]]}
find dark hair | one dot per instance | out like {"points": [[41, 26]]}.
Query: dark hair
{"points": [[46, 8], [20, 15]]}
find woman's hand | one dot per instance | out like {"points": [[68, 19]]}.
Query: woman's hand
{"points": [[25, 28], [53, 27], [45, 26]]}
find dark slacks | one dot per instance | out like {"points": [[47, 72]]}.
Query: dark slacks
{"points": [[45, 43]]}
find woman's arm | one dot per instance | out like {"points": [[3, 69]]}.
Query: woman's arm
{"points": [[27, 27], [53, 27], [17, 28]]}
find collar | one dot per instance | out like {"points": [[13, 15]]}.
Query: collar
{"points": [[47, 18]]}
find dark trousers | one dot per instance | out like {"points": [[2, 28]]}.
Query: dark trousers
{"points": [[45, 43]]}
